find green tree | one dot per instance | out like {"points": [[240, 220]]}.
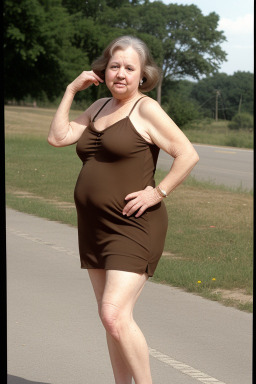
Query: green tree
{"points": [[48, 42], [240, 93], [235, 93], [190, 40], [183, 41], [178, 103], [92, 8], [97, 23], [38, 53]]}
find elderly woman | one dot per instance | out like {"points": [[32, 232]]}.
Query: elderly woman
{"points": [[122, 220]]}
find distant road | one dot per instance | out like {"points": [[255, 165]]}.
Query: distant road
{"points": [[232, 167]]}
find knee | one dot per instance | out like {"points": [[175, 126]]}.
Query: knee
{"points": [[111, 319]]}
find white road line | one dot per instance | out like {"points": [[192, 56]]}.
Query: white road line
{"points": [[40, 241], [227, 152], [184, 368]]}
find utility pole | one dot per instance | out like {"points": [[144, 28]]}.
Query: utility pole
{"points": [[240, 103], [216, 105]]}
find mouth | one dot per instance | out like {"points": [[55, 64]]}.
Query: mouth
{"points": [[119, 83]]}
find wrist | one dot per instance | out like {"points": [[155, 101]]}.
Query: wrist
{"points": [[158, 197], [70, 89], [161, 191]]}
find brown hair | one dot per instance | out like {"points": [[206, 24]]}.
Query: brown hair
{"points": [[151, 72]]}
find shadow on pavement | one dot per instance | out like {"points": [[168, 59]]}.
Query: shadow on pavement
{"points": [[19, 380]]}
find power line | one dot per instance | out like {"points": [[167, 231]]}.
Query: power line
{"points": [[206, 101]]}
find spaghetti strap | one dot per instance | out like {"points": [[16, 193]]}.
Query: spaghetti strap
{"points": [[101, 109], [136, 104]]}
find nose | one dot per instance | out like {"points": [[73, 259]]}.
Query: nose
{"points": [[120, 73]]}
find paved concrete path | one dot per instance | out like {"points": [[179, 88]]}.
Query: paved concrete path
{"points": [[232, 167], [54, 335]]}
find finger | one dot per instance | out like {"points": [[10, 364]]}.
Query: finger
{"points": [[97, 77], [96, 81], [93, 79], [84, 82], [129, 208], [90, 76], [141, 210], [132, 195], [133, 209]]}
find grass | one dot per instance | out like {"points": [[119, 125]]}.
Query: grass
{"points": [[25, 120], [214, 132], [209, 244]]}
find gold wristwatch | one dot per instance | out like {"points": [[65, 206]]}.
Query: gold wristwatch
{"points": [[161, 191]]}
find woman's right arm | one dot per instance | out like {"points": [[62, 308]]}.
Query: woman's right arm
{"points": [[62, 131]]}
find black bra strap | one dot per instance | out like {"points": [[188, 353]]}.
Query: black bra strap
{"points": [[101, 108], [136, 104]]}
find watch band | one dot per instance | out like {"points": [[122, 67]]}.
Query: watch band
{"points": [[161, 191]]}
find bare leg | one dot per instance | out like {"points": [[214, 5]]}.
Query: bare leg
{"points": [[121, 372], [120, 294], [121, 375]]}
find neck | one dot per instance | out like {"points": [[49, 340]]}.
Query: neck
{"points": [[120, 102]]}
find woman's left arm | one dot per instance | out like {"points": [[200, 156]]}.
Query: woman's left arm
{"points": [[166, 135]]}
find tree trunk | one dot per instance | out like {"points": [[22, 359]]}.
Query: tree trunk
{"points": [[159, 91]]}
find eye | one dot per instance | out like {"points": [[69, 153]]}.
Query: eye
{"points": [[130, 69]]}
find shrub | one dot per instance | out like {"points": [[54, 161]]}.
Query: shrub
{"points": [[241, 121], [182, 110]]}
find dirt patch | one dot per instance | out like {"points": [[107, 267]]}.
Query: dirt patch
{"points": [[30, 121], [30, 195], [172, 256], [235, 294]]}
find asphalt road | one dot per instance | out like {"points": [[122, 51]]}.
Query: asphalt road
{"points": [[232, 167], [54, 335]]}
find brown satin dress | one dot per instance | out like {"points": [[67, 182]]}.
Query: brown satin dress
{"points": [[116, 162]]}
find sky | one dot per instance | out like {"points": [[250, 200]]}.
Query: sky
{"points": [[237, 23]]}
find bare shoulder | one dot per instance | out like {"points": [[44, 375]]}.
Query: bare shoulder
{"points": [[94, 107], [99, 102], [89, 113], [147, 103], [153, 114], [159, 126]]}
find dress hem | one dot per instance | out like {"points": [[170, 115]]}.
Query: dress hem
{"points": [[120, 269]]}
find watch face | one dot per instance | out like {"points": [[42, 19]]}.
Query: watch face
{"points": [[161, 191], [164, 193]]}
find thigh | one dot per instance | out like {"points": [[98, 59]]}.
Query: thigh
{"points": [[122, 289], [98, 280]]}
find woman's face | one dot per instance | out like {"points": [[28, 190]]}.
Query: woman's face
{"points": [[123, 73]]}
